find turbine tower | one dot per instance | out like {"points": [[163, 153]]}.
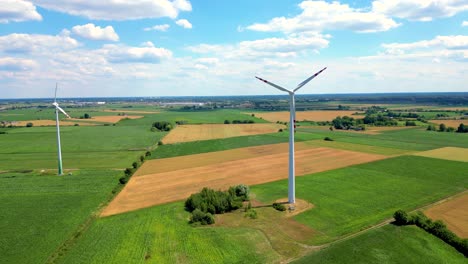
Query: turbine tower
{"points": [[59, 150], [292, 126]]}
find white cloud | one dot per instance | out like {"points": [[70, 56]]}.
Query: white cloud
{"points": [[184, 23], [318, 16], [16, 64], [117, 10], [276, 47], [420, 10], [447, 42], [90, 31], [18, 11], [147, 53], [465, 24], [25, 43], [162, 28]]}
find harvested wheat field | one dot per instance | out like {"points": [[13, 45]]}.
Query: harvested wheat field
{"points": [[168, 186], [450, 123], [50, 123], [448, 153], [107, 119], [186, 133], [130, 111], [454, 213], [283, 116]]}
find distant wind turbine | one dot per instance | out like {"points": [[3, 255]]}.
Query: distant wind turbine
{"points": [[292, 126], [59, 150]]}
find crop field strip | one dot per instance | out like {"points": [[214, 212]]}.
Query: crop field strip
{"points": [[448, 153], [173, 185], [52, 123], [450, 123], [454, 213], [108, 119], [327, 115], [186, 133]]}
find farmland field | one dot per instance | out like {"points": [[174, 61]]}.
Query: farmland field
{"points": [[51, 123], [305, 115], [108, 119], [186, 133], [268, 163], [448, 153], [454, 213], [388, 244], [450, 123]]}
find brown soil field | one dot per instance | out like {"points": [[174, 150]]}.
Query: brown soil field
{"points": [[454, 213], [186, 133], [450, 123], [131, 111], [107, 119], [51, 123], [283, 116], [448, 153], [163, 187]]}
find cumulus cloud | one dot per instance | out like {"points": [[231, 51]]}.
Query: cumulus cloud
{"points": [[117, 10], [465, 24], [147, 53], [26, 43], [162, 28], [184, 23], [90, 31], [318, 16], [16, 64], [418, 10], [447, 42], [18, 11]]}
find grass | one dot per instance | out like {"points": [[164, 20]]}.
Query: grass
{"points": [[39, 212], [162, 235], [388, 244], [82, 147], [350, 199]]}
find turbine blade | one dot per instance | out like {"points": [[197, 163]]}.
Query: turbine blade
{"points": [[274, 85], [55, 98], [61, 110], [308, 79]]}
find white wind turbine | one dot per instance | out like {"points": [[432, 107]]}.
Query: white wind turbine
{"points": [[292, 120], [59, 150]]}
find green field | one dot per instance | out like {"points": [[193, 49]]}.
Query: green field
{"points": [[350, 199], [40, 212], [162, 235], [388, 244]]}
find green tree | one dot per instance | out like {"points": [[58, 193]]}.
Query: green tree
{"points": [[442, 128], [401, 217], [29, 124]]}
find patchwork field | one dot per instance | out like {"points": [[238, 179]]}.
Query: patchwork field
{"points": [[450, 123], [51, 123], [108, 119], [454, 213], [369, 129], [283, 116], [448, 153], [177, 181], [131, 111], [187, 133]]}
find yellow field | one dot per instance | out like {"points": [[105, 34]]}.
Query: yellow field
{"points": [[454, 213], [131, 111], [107, 119], [283, 116], [450, 123], [166, 180], [448, 153], [186, 133], [51, 123]]}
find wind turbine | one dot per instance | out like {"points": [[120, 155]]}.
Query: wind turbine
{"points": [[292, 126], [59, 150]]}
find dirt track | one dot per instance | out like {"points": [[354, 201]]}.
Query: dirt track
{"points": [[454, 213], [163, 187], [186, 133]]}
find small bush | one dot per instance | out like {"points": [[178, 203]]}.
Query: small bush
{"points": [[123, 180], [279, 206], [280, 130], [142, 158], [129, 171], [160, 143], [328, 139], [147, 154], [76, 124], [401, 217], [135, 165], [29, 124], [252, 214], [200, 217]]}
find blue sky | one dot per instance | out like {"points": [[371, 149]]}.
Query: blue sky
{"points": [[182, 47]]}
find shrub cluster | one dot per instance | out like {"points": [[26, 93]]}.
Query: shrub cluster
{"points": [[279, 206], [443, 128], [328, 139], [239, 121], [437, 228], [208, 202], [162, 126]]}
